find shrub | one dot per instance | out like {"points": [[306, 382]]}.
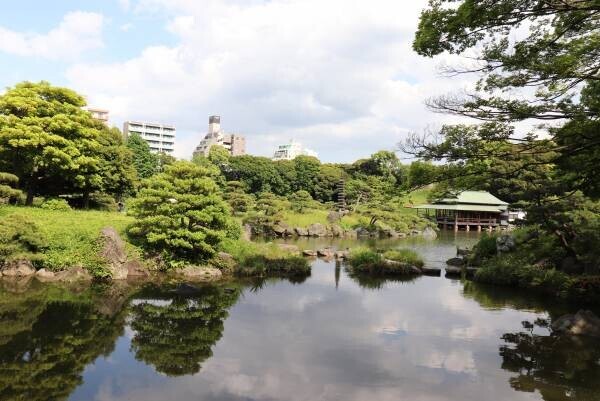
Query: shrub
{"points": [[20, 238], [56, 204], [407, 256], [483, 250], [180, 215], [364, 258]]}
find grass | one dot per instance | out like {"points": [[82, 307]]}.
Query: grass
{"points": [[417, 197], [71, 235], [312, 216], [407, 256], [363, 260]]}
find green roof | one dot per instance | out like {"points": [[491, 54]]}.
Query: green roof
{"points": [[473, 197], [470, 208]]}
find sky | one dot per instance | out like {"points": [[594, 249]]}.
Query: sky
{"points": [[338, 76]]}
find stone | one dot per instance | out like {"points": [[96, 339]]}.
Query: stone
{"points": [[505, 243], [309, 252], [45, 275], [317, 230], [455, 262], [135, 268], [334, 217], [201, 273], [337, 231], [18, 268], [289, 248], [342, 254], [352, 234], [453, 271], [302, 232], [362, 232], [462, 251], [280, 229], [429, 233], [113, 251], [326, 252], [584, 323], [412, 269], [73, 274]]}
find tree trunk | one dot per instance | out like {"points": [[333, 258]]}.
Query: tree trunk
{"points": [[86, 200]]}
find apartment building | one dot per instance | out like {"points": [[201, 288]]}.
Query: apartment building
{"points": [[99, 114], [160, 137], [234, 143], [291, 150]]}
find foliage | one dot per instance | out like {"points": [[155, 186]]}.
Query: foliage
{"points": [[364, 261], [54, 146], [144, 161], [483, 250], [407, 256], [20, 239], [8, 182], [300, 201], [56, 204], [240, 201], [180, 215]]}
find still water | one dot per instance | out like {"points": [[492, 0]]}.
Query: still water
{"points": [[329, 337]]}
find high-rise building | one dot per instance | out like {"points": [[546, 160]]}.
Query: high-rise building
{"points": [[292, 150], [160, 137], [99, 114], [234, 143]]}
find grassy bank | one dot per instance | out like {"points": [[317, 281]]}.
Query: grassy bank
{"points": [[363, 260]]}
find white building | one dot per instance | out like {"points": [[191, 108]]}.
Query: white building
{"points": [[161, 138], [234, 143], [99, 114], [292, 150]]}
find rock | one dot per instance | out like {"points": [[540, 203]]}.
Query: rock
{"points": [[302, 232], [362, 232], [309, 252], [455, 262], [280, 229], [289, 248], [74, 274], [136, 269], [317, 230], [325, 252], [18, 268], [334, 217], [584, 323], [201, 273], [462, 251], [113, 251], [505, 243], [352, 234], [429, 233], [337, 231], [412, 269], [247, 232], [453, 271], [45, 275], [342, 254], [431, 271]]}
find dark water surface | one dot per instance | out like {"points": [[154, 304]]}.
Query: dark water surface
{"points": [[330, 337]]}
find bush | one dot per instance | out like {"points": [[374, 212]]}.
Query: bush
{"points": [[364, 258], [483, 250], [180, 215], [407, 256], [56, 204], [20, 239]]}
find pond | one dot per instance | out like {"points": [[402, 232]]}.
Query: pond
{"points": [[329, 337]]}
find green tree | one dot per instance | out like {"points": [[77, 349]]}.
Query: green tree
{"points": [[219, 156], [258, 174], [300, 200], [238, 199], [144, 161], [326, 182], [307, 169], [180, 214], [8, 182]]}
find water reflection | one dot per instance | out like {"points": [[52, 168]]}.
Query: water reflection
{"points": [[176, 335]]}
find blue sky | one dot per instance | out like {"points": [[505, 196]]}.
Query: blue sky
{"points": [[338, 76]]}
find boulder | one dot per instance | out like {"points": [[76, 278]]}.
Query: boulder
{"points": [[309, 252], [337, 231], [326, 252], [334, 217], [584, 323], [352, 234], [462, 251], [362, 232], [113, 251], [431, 271], [429, 233], [280, 229], [505, 243], [73, 274], [135, 268], [317, 230], [342, 254], [455, 262], [201, 273], [453, 271], [412, 269], [302, 232], [45, 275], [18, 268], [289, 248]]}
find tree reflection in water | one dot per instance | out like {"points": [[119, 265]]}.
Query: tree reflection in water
{"points": [[176, 333], [559, 367]]}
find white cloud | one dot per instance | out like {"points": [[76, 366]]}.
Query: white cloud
{"points": [[78, 31], [339, 76]]}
